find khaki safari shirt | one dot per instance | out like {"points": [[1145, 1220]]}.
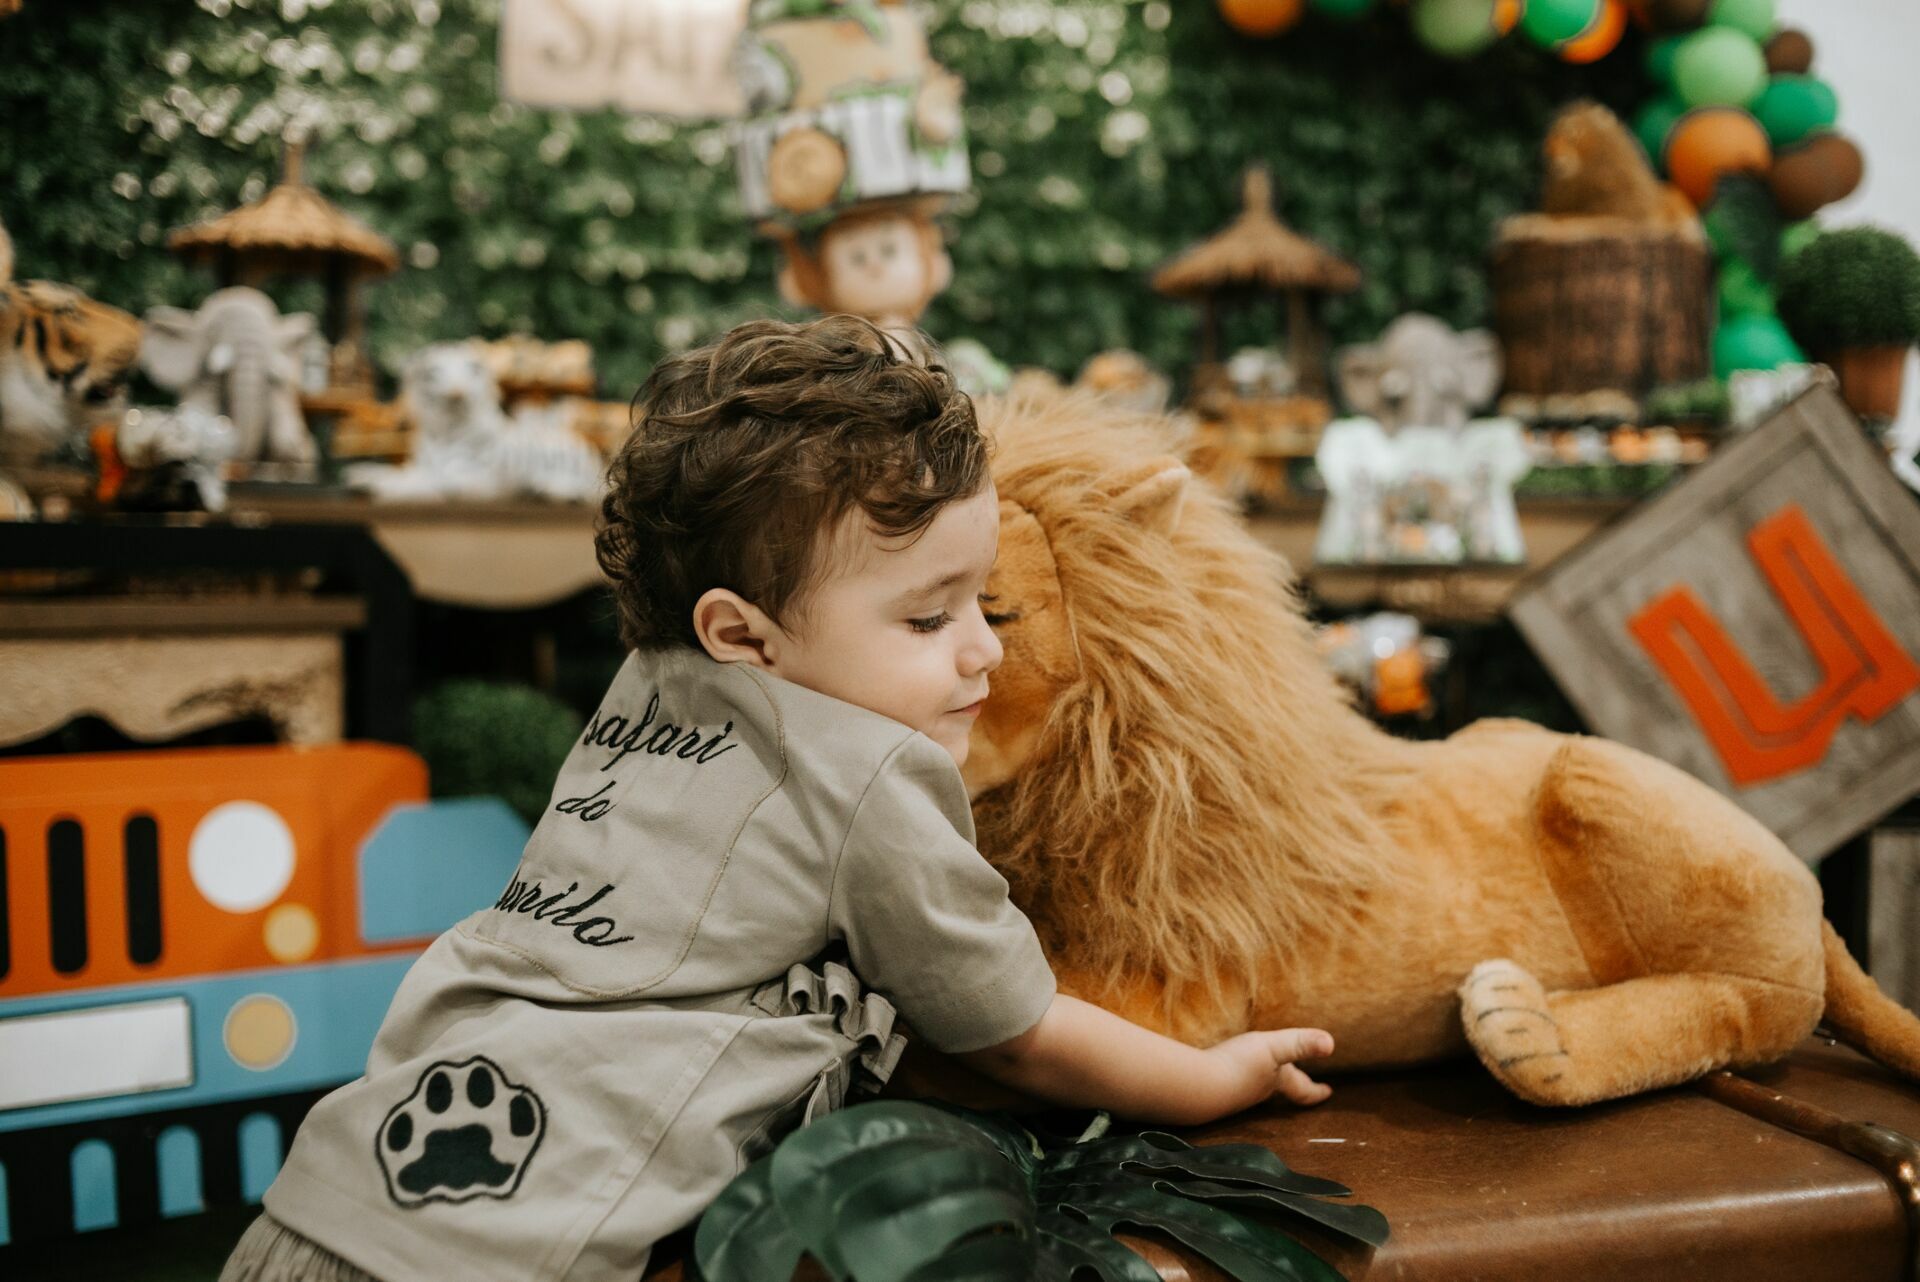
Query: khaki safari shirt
{"points": [[573, 1073]]}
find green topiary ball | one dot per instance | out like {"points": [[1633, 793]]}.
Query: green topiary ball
{"points": [[1858, 287], [484, 738]]}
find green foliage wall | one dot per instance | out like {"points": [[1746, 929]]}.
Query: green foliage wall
{"points": [[1107, 135]]}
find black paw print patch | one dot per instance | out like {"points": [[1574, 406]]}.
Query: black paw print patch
{"points": [[464, 1132]]}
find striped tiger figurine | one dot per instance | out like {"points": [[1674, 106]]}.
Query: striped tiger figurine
{"points": [[64, 360]]}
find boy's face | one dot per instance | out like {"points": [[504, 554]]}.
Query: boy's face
{"points": [[896, 627]]}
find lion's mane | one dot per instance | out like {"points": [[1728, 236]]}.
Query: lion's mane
{"points": [[1202, 800]]}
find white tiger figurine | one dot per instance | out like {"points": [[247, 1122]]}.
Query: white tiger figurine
{"points": [[465, 446]]}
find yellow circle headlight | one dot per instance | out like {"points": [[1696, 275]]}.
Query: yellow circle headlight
{"points": [[259, 1032], [292, 933]]}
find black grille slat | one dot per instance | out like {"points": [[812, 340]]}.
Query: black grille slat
{"points": [[143, 889], [67, 894]]}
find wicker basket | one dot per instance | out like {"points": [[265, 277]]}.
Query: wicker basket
{"points": [[1590, 304]]}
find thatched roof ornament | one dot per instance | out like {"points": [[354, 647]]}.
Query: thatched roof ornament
{"points": [[292, 222], [1256, 250]]}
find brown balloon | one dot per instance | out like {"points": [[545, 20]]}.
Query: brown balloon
{"points": [[1677, 15], [1812, 175], [1790, 52]]}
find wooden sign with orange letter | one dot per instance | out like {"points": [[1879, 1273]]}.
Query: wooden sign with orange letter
{"points": [[1758, 625]]}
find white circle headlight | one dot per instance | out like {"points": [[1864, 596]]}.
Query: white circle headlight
{"points": [[241, 856]]}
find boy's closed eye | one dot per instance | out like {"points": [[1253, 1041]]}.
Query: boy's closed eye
{"points": [[934, 622]]}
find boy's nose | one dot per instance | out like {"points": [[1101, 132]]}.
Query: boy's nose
{"points": [[983, 650]]}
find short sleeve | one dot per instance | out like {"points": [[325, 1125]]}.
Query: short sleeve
{"points": [[926, 919]]}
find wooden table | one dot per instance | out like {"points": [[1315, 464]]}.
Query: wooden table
{"points": [[511, 555], [1432, 593], [504, 555]]}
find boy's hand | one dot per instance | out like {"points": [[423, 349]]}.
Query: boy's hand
{"points": [[1257, 1066], [1086, 1057]]}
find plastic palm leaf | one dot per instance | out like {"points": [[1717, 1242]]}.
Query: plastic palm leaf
{"points": [[745, 1234], [1244, 1175], [1245, 1249], [1068, 1245], [908, 1192]]}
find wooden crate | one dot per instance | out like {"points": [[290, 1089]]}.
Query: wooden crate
{"points": [[1758, 626], [1894, 897]]}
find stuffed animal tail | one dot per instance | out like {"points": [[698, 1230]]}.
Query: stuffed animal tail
{"points": [[1863, 1016]]}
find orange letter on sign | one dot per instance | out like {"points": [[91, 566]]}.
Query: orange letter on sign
{"points": [[1865, 673]]}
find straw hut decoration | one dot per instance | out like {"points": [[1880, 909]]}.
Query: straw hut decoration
{"points": [[1254, 254], [1253, 423], [294, 230]]}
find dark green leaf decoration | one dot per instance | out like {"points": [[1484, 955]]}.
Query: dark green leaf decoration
{"points": [[1744, 222], [1106, 135], [909, 1192]]}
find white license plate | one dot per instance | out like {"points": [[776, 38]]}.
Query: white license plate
{"points": [[97, 1052]]}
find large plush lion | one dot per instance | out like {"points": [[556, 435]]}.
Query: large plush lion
{"points": [[1210, 839]]}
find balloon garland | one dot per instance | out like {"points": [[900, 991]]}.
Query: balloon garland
{"points": [[1738, 124]]}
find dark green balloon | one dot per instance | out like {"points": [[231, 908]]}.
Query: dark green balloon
{"points": [[1660, 54], [1548, 22], [1345, 10], [1653, 122], [1791, 107], [1753, 342]]}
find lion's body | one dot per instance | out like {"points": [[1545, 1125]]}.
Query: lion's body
{"points": [[1209, 838]]}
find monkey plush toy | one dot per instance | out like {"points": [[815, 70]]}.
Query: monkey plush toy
{"points": [[884, 261]]}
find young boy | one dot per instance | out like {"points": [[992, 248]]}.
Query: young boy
{"points": [[798, 534]]}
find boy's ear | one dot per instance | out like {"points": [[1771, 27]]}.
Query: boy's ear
{"points": [[732, 629]]}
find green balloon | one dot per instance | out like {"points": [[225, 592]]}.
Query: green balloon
{"points": [[1661, 51], [1549, 22], [1346, 10], [1455, 28], [1654, 122], [1755, 17], [1795, 237], [1753, 342], [1791, 107], [1742, 292], [1719, 67]]}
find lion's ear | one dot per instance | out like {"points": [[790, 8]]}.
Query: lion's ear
{"points": [[1152, 493]]}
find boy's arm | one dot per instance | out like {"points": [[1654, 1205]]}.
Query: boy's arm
{"points": [[1081, 1055]]}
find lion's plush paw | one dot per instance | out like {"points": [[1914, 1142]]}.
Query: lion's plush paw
{"points": [[1504, 1011]]}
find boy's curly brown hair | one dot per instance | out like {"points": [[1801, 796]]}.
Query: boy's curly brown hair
{"points": [[747, 452]]}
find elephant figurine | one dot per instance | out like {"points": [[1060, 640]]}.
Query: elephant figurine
{"points": [[238, 357], [1356, 464], [1420, 373], [1494, 454]]}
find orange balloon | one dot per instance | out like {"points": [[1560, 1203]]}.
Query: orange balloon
{"points": [[1710, 143], [1600, 38], [1506, 15], [1262, 17]]}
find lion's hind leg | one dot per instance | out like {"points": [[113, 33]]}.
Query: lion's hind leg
{"points": [[1586, 1045]]}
